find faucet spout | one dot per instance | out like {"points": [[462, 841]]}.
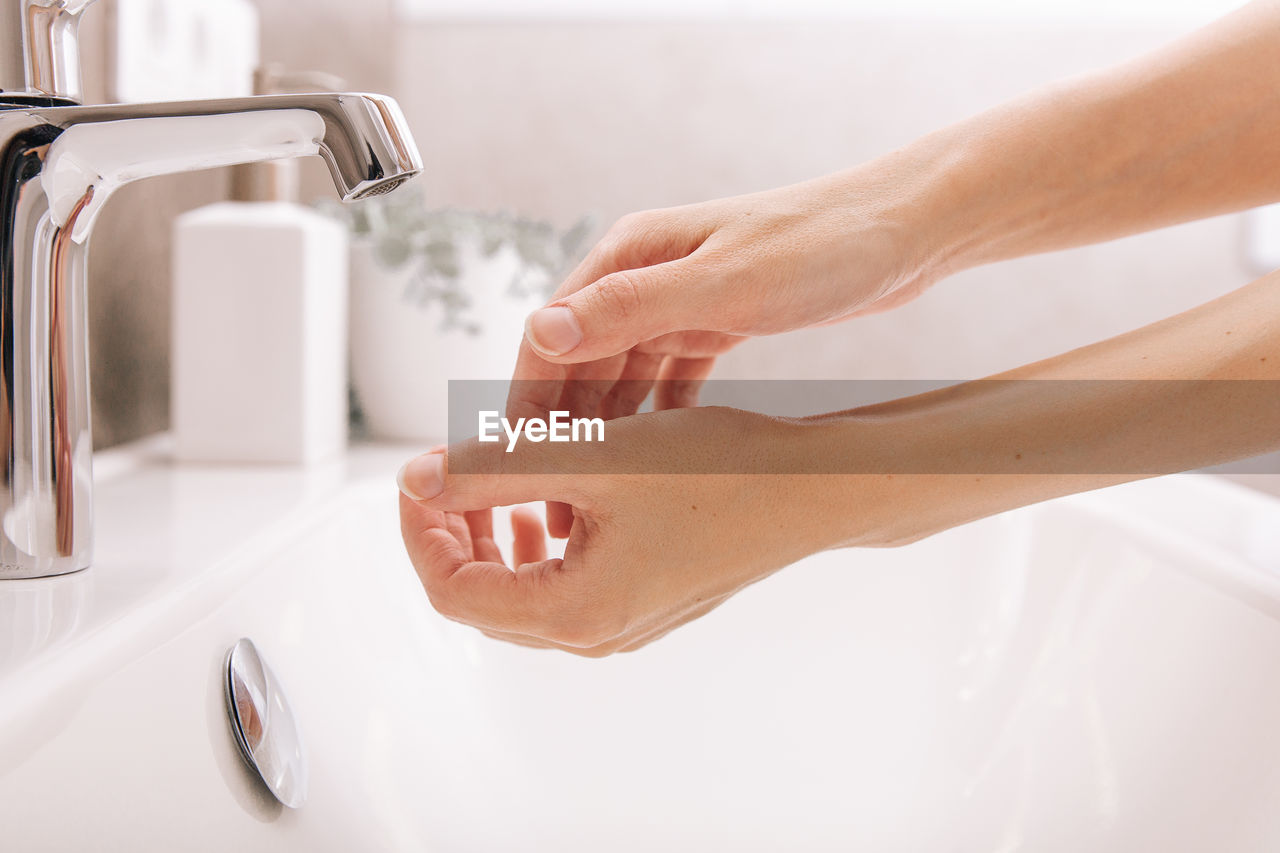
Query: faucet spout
{"points": [[58, 168], [364, 139]]}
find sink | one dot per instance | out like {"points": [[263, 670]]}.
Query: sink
{"points": [[1095, 673]]}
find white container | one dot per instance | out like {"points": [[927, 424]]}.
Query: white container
{"points": [[403, 352], [259, 334]]}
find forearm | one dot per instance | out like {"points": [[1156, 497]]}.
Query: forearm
{"points": [[1197, 389], [1186, 132]]}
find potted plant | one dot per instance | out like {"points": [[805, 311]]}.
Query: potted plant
{"points": [[440, 294]]}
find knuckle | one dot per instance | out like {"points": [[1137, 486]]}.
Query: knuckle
{"points": [[529, 396], [443, 604], [640, 238], [659, 235], [627, 395], [616, 295], [626, 225], [614, 244], [585, 397], [604, 254]]}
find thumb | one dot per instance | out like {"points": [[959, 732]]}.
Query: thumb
{"points": [[614, 313], [472, 475]]}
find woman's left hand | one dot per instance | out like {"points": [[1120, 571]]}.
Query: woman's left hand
{"points": [[647, 552]]}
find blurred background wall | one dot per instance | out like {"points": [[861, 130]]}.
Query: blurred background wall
{"points": [[556, 115]]}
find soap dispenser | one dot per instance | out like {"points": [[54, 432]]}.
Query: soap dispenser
{"points": [[259, 332]]}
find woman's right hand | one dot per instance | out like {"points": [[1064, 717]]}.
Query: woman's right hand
{"points": [[666, 291], [1092, 159]]}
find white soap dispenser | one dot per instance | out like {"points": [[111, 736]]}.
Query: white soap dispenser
{"points": [[259, 354]]}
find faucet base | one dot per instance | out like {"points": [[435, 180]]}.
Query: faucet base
{"points": [[19, 573]]}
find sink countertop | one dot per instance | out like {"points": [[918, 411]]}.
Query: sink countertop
{"points": [[162, 534], [1093, 666], [163, 550]]}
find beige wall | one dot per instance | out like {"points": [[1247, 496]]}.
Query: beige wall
{"points": [[555, 119]]}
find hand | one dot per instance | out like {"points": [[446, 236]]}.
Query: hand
{"points": [[667, 291], [690, 281], [647, 552]]}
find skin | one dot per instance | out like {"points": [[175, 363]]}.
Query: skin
{"points": [[1183, 133]]}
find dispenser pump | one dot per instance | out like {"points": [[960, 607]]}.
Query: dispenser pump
{"points": [[277, 180]]}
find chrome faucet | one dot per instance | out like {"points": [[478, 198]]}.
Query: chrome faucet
{"points": [[60, 163]]}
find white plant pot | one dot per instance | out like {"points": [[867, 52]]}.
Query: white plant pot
{"points": [[402, 356]]}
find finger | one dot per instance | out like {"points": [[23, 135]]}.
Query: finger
{"points": [[536, 390], [429, 532], [619, 310], [480, 529], [458, 528], [540, 386], [588, 384], [536, 384], [680, 382], [642, 240], [582, 396], [530, 537], [559, 520], [632, 388], [580, 390], [483, 594], [612, 253], [480, 524], [635, 242], [475, 475]]}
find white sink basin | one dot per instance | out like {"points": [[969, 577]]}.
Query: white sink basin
{"points": [[1094, 674]]}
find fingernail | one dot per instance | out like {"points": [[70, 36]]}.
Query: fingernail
{"points": [[553, 331], [422, 479]]}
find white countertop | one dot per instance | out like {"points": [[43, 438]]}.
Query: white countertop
{"points": [[162, 531]]}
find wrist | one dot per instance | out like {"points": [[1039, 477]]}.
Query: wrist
{"points": [[921, 199], [900, 472], [906, 469], [864, 482]]}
